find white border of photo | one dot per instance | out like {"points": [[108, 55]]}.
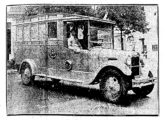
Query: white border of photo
{"points": [[3, 114]]}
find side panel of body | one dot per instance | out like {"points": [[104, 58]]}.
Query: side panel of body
{"points": [[29, 43], [56, 63]]}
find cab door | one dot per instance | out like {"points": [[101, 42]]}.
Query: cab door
{"points": [[54, 49], [76, 64]]}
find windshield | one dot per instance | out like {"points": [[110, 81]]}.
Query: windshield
{"points": [[100, 35]]}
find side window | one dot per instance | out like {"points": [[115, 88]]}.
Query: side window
{"points": [[19, 33], [155, 47], [80, 30], [52, 29], [100, 37], [26, 32], [34, 32], [42, 31], [70, 26]]}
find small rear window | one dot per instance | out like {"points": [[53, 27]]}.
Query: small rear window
{"points": [[52, 29]]}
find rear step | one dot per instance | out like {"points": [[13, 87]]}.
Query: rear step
{"points": [[59, 78]]}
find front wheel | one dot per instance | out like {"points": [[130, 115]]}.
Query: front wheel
{"points": [[143, 91], [26, 74], [113, 86]]}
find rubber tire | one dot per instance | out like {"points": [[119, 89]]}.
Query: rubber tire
{"points": [[143, 91], [31, 78], [123, 90]]}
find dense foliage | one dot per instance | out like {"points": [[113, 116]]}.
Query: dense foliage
{"points": [[126, 17]]}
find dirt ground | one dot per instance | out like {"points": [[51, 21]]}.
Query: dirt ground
{"points": [[70, 99]]}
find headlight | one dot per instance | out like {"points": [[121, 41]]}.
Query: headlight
{"points": [[128, 61]]}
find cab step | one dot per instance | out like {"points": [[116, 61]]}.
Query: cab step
{"points": [[59, 78]]}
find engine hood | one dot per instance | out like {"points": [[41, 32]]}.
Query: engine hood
{"points": [[112, 54]]}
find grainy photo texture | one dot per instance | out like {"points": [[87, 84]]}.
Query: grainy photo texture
{"points": [[82, 59]]}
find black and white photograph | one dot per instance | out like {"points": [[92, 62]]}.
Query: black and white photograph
{"points": [[82, 59]]}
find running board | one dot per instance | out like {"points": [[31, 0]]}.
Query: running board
{"points": [[59, 78]]}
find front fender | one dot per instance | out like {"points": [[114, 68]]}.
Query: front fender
{"points": [[150, 66], [32, 64], [117, 64]]}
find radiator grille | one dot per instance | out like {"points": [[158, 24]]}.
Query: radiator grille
{"points": [[135, 66]]}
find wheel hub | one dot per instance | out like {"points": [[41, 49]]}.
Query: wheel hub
{"points": [[113, 85]]}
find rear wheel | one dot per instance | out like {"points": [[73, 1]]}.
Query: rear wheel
{"points": [[143, 91], [26, 74], [113, 86]]}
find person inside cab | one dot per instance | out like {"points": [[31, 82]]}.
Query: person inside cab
{"points": [[81, 37], [73, 42], [80, 32]]}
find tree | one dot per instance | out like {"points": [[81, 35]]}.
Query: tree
{"points": [[126, 17], [82, 10]]}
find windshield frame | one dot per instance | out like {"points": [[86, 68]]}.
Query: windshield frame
{"points": [[106, 27]]}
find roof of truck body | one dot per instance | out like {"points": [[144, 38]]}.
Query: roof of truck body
{"points": [[61, 16]]}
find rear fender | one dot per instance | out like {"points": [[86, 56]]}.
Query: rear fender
{"points": [[32, 64]]}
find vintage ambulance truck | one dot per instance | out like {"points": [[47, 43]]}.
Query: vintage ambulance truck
{"points": [[41, 49]]}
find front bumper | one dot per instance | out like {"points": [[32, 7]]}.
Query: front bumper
{"points": [[140, 81]]}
